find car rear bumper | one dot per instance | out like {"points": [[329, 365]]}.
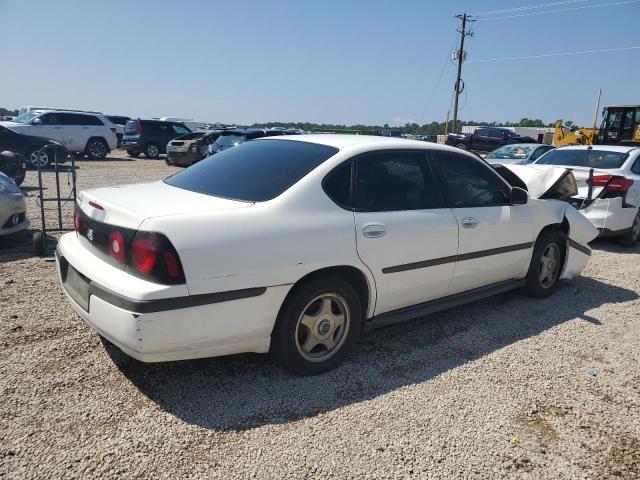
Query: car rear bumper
{"points": [[183, 158], [13, 214], [172, 328], [609, 216]]}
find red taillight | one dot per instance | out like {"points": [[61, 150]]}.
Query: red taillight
{"points": [[143, 254], [76, 219], [611, 183], [116, 246], [172, 265], [139, 128], [96, 206], [113, 129]]}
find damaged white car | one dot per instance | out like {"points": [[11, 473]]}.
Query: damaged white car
{"points": [[608, 181], [296, 245]]}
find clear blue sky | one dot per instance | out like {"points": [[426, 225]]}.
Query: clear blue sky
{"points": [[360, 61]]}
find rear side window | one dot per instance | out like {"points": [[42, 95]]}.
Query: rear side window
{"points": [[338, 185], [469, 182], [496, 133], [79, 119], [636, 167], [482, 132], [395, 181], [253, 171]]}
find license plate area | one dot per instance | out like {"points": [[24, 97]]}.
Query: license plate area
{"points": [[76, 284]]}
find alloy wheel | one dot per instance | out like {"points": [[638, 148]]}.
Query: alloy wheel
{"points": [[635, 228], [549, 265], [322, 327], [97, 150], [39, 158], [152, 151]]}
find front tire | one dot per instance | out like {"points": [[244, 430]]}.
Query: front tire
{"points": [[317, 327], [461, 146], [38, 157], [632, 237], [546, 265]]}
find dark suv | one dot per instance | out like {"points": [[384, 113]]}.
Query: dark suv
{"points": [[150, 136]]}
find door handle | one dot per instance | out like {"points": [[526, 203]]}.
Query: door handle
{"points": [[469, 222], [374, 230]]}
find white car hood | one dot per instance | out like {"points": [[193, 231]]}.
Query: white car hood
{"points": [[128, 205]]}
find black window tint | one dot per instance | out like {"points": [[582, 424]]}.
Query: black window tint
{"points": [[180, 129], [253, 171], [51, 119], [338, 185], [393, 181], [470, 182], [636, 167], [482, 132], [496, 133]]}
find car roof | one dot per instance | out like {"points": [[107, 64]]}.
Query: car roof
{"points": [[606, 148], [526, 145], [339, 141]]}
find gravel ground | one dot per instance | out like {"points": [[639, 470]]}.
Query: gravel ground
{"points": [[508, 387]]}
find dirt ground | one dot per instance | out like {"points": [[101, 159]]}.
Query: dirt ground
{"points": [[508, 387]]}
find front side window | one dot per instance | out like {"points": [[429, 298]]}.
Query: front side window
{"points": [[482, 132], [588, 158], [51, 119], [469, 182], [496, 134], [394, 181], [230, 140], [254, 171]]}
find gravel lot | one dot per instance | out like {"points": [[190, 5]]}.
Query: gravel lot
{"points": [[507, 387]]}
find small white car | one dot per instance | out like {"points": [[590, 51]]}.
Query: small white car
{"points": [[608, 180], [84, 133], [297, 244], [13, 208]]}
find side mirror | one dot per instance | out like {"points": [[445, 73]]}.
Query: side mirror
{"points": [[518, 196], [36, 121]]}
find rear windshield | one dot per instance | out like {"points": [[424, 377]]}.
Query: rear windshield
{"points": [[131, 127], [254, 171], [584, 158], [230, 140], [512, 151], [192, 136]]}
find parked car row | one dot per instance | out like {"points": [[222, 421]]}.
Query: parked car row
{"points": [[486, 139]]}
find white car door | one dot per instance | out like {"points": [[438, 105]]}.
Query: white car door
{"points": [[77, 131], [49, 126], [496, 239], [405, 234]]}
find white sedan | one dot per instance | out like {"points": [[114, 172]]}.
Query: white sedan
{"points": [[296, 245], [608, 181]]}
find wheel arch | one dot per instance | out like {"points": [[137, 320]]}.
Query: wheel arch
{"points": [[362, 283], [97, 137]]}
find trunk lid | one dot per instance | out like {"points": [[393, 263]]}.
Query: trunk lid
{"points": [[128, 205], [541, 181]]}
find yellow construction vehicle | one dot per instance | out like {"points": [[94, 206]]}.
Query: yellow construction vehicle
{"points": [[573, 135], [620, 126]]}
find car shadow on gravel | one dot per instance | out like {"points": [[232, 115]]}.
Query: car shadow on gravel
{"points": [[612, 246], [247, 391]]}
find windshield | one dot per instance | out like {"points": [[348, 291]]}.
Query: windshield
{"points": [[584, 158], [512, 151], [25, 117], [230, 140], [254, 171]]}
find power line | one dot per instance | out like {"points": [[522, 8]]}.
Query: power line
{"points": [[613, 4], [562, 54], [529, 7]]}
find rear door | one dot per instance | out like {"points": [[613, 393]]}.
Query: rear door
{"points": [[495, 239], [480, 140], [405, 233], [496, 139]]}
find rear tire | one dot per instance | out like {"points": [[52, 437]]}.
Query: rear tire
{"points": [[133, 154], [96, 149], [152, 150], [632, 237], [546, 265], [317, 326], [461, 146]]}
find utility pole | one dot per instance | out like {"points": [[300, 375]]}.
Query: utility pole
{"points": [[460, 54]]}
